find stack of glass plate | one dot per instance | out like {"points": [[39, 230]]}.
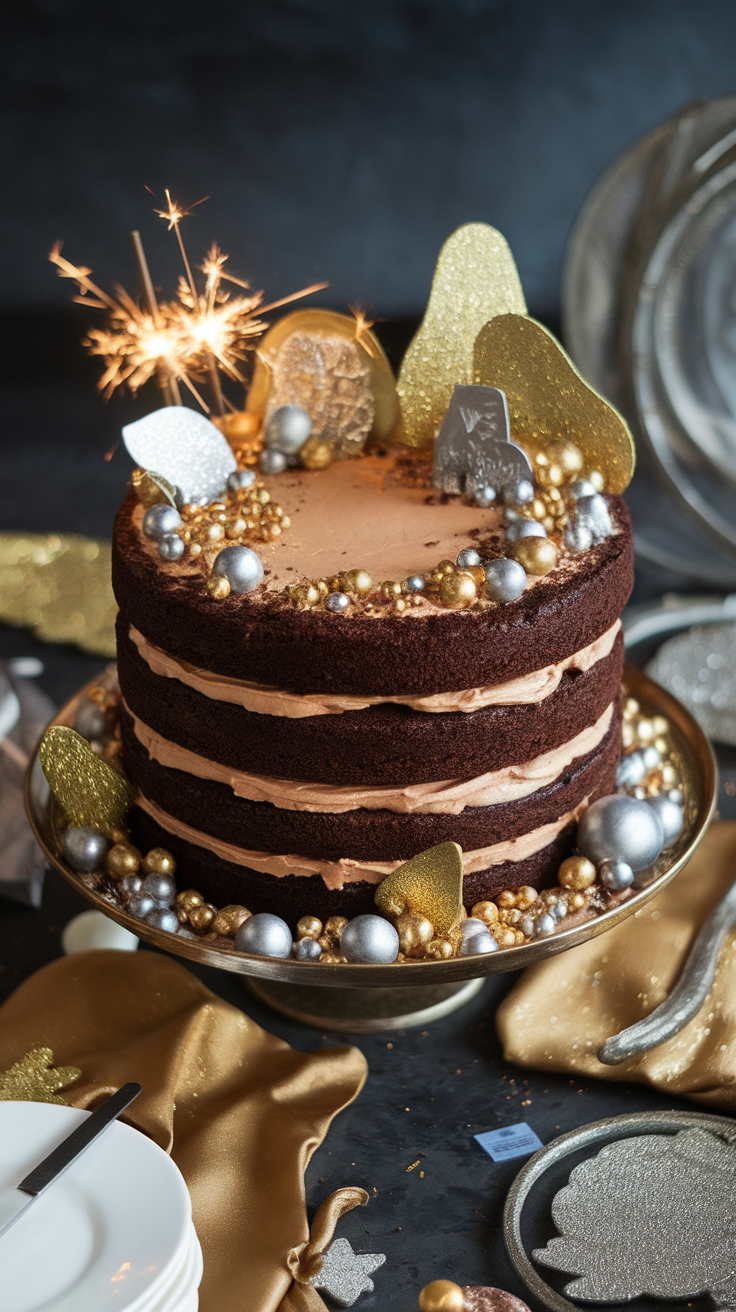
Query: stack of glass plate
{"points": [[649, 306]]}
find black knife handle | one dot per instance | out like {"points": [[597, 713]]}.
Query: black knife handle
{"points": [[79, 1139]]}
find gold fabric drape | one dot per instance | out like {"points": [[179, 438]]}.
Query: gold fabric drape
{"points": [[239, 1110], [560, 1011]]}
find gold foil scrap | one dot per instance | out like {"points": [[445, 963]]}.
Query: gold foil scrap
{"points": [[152, 489], [430, 884], [59, 585], [548, 400], [88, 790], [475, 279], [35, 1079]]}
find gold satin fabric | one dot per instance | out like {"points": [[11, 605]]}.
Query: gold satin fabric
{"points": [[561, 1011], [239, 1110]]}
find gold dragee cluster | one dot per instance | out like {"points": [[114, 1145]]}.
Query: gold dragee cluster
{"points": [[641, 731], [245, 517]]}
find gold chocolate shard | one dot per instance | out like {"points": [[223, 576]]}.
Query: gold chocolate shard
{"points": [[33, 1078], [88, 790], [430, 884], [475, 279], [152, 489], [547, 398]]}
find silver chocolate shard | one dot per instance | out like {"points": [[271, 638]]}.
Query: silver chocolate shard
{"points": [[474, 447]]}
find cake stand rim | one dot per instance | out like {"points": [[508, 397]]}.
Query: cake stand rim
{"points": [[702, 780]]}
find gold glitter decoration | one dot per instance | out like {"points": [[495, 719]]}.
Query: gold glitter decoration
{"points": [[548, 400], [152, 489], [430, 885], [475, 279], [332, 366], [88, 790], [35, 1079], [59, 585]]}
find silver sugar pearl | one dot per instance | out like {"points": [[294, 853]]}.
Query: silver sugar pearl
{"points": [[130, 886], [478, 944], [593, 512], [161, 888], [370, 939], [468, 557], [485, 496], [651, 757], [620, 828], [528, 924], [140, 906], [415, 583], [272, 461], [525, 528], [171, 547], [472, 926], [90, 720], [505, 580], [307, 949], [163, 918], [288, 429], [84, 848], [240, 478], [559, 909], [264, 935], [337, 602], [670, 817], [519, 494], [631, 770], [676, 795], [240, 566], [160, 520], [577, 536], [615, 875], [544, 925], [580, 488]]}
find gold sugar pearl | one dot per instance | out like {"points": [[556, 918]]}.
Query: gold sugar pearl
{"points": [[596, 478], [506, 938], [644, 730], [122, 859], [308, 927], [628, 735], [660, 724], [512, 916], [118, 836], [569, 457], [399, 605], [159, 862], [202, 916], [214, 533], [506, 899], [415, 933], [285, 521], [577, 873], [334, 926], [218, 586], [576, 901], [537, 555], [316, 454], [538, 508], [236, 528], [447, 567], [485, 911], [188, 898], [458, 590], [227, 922], [360, 581], [526, 896], [391, 589], [439, 949], [669, 775], [477, 574], [263, 495]]}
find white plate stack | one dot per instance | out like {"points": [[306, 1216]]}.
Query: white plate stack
{"points": [[113, 1234]]}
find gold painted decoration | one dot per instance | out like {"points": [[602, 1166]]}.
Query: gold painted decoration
{"points": [[475, 279], [430, 884], [34, 1078], [152, 489], [59, 585], [88, 790], [548, 400], [332, 366]]}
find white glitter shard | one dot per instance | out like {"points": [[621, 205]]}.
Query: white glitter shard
{"points": [[184, 447], [345, 1274]]}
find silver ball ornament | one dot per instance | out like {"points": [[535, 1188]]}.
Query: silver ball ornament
{"points": [[161, 888], [163, 918], [140, 905], [580, 488], [337, 602], [544, 925], [485, 495], [631, 770], [519, 494], [240, 478], [593, 512], [241, 567], [307, 949], [90, 720], [670, 817], [272, 461], [130, 886], [415, 583], [160, 520], [84, 848], [477, 945], [370, 939], [615, 875], [472, 926], [264, 935], [525, 528], [171, 547], [577, 536], [288, 429], [468, 557], [505, 580], [620, 828]]}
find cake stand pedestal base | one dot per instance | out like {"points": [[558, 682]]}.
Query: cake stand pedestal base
{"points": [[365, 1010]]}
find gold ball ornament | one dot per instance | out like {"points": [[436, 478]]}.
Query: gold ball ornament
{"points": [[189, 898], [576, 873], [316, 454], [485, 911], [537, 555], [201, 917], [227, 922], [159, 862], [415, 932], [442, 1296], [458, 590], [122, 859], [308, 927]]}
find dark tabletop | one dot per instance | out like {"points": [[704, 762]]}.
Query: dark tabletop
{"points": [[430, 1089]]}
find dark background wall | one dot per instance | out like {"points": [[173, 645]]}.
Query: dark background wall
{"points": [[336, 139]]}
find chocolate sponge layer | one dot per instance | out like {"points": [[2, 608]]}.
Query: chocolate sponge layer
{"points": [[251, 637], [382, 745]]}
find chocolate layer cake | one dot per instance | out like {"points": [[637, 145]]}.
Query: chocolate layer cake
{"points": [[291, 756]]}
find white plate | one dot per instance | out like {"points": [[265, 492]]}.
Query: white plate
{"points": [[111, 1235], [182, 1295]]}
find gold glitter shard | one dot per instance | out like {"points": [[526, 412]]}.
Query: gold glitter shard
{"points": [[475, 279], [88, 790], [34, 1078], [548, 400], [430, 884]]}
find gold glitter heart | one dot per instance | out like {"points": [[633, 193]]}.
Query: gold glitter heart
{"points": [[35, 1079], [547, 398], [88, 790], [475, 279], [430, 885]]}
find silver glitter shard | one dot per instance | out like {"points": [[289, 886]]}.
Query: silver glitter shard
{"points": [[474, 447], [650, 1216], [184, 447], [699, 667], [345, 1274]]}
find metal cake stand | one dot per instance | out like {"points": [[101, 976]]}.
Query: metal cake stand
{"points": [[360, 998]]}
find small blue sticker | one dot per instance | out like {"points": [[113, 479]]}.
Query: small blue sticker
{"points": [[512, 1141]]}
